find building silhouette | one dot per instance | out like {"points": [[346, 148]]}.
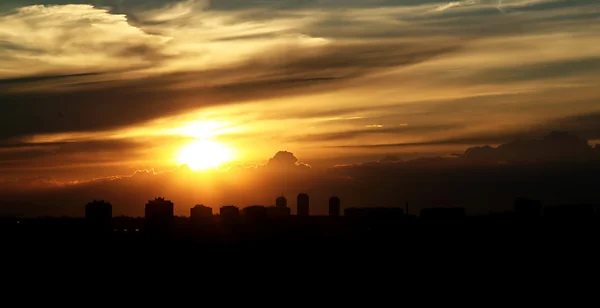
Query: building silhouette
{"points": [[159, 212], [98, 211], [229, 212], [278, 212], [527, 208], [280, 209], [374, 212], [281, 202], [443, 213], [200, 212], [302, 205], [577, 211], [255, 212], [334, 206], [98, 215]]}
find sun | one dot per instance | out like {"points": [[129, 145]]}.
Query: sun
{"points": [[204, 154]]}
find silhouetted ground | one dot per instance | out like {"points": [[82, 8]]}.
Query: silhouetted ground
{"points": [[308, 234]]}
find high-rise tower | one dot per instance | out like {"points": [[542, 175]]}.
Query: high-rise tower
{"points": [[302, 209], [334, 206]]}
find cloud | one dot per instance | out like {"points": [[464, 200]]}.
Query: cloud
{"points": [[308, 73], [582, 124], [583, 68], [172, 11], [74, 39], [450, 5], [42, 78], [100, 107], [390, 159], [36, 157], [398, 130], [285, 160], [557, 146], [517, 148]]}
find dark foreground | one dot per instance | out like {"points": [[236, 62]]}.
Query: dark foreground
{"points": [[306, 233], [324, 252]]}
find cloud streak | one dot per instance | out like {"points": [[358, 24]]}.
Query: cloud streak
{"points": [[98, 107]]}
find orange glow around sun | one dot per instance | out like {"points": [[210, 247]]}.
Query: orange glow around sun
{"points": [[204, 154]]}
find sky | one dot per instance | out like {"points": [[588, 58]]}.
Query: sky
{"points": [[102, 88]]}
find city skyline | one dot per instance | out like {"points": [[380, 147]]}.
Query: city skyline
{"points": [[260, 227], [161, 208], [339, 136]]}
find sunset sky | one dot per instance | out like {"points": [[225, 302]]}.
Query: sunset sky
{"points": [[98, 88]]}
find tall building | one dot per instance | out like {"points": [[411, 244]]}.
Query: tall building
{"points": [[159, 211], [98, 213], [302, 205], [280, 209], [281, 202], [334, 206], [200, 212], [229, 212]]}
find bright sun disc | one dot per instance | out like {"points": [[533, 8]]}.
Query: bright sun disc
{"points": [[204, 154]]}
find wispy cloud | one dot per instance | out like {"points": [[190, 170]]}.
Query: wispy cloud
{"points": [[450, 5]]}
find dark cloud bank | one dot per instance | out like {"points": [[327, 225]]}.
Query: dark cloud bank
{"points": [[559, 168], [87, 105]]}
